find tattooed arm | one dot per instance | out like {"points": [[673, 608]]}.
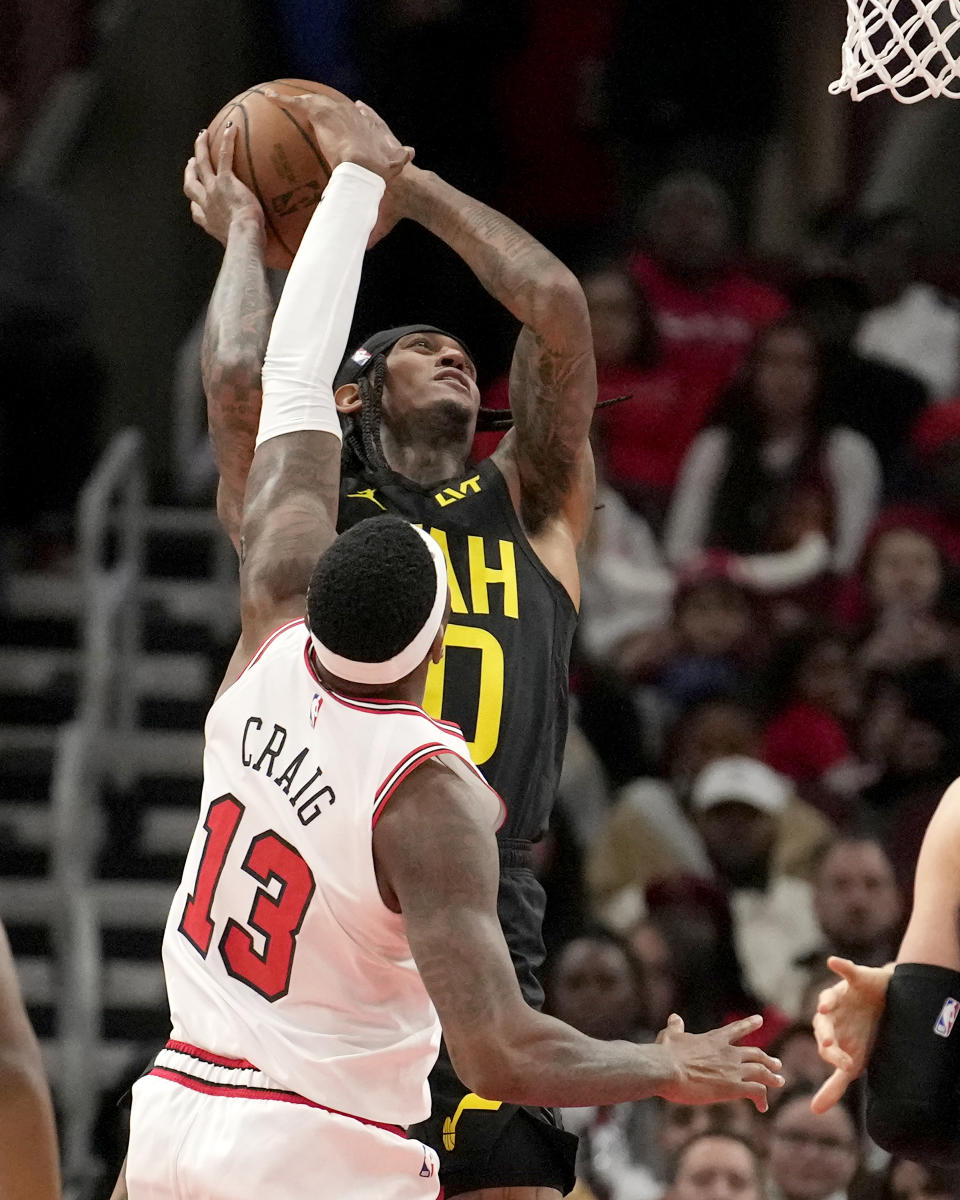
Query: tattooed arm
{"points": [[291, 497], [553, 386], [238, 320]]}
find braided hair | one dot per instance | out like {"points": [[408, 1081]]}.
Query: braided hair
{"points": [[362, 449]]}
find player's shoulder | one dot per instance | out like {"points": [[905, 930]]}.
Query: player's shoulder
{"points": [[441, 781], [257, 645]]}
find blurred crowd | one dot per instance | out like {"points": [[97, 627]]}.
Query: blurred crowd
{"points": [[767, 671]]}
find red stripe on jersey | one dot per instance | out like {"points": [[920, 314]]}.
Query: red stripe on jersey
{"points": [[266, 642], [217, 1060], [398, 707], [408, 763], [238, 1092], [417, 758]]}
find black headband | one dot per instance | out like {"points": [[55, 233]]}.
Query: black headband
{"points": [[359, 361]]}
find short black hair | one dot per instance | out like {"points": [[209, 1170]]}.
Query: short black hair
{"points": [[372, 590]]}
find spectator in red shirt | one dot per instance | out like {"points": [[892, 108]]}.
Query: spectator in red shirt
{"points": [[813, 683], [708, 312], [643, 440]]}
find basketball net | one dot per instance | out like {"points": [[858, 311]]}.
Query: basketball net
{"points": [[903, 47]]}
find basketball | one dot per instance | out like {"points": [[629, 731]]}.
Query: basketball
{"points": [[277, 157]]}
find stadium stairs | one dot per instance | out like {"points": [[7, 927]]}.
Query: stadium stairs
{"points": [[105, 678]]}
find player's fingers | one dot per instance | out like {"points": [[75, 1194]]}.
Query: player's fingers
{"points": [[832, 1053], [201, 149], [198, 214], [753, 1054], [843, 967], [190, 181], [738, 1029], [675, 1023], [823, 1028], [225, 153], [759, 1073], [830, 1091], [827, 1000], [758, 1094]]}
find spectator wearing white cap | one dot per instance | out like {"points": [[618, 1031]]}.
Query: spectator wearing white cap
{"points": [[738, 804]]}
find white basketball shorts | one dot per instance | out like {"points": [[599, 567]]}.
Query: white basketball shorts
{"points": [[199, 1141]]}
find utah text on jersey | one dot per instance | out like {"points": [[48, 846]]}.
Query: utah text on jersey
{"points": [[489, 585]]}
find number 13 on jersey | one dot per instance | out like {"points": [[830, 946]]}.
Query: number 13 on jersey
{"points": [[276, 918]]}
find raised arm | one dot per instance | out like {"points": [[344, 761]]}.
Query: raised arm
{"points": [[238, 319], [553, 381], [290, 506], [29, 1166], [437, 863]]}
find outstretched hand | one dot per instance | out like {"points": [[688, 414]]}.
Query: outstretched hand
{"points": [[217, 197], [350, 133], [845, 1025], [712, 1067]]}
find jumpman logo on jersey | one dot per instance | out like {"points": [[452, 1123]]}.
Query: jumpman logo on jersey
{"points": [[367, 494], [470, 1100]]}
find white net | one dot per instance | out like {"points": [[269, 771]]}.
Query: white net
{"points": [[903, 47]]}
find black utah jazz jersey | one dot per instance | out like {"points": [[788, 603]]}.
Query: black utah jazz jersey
{"points": [[504, 674]]}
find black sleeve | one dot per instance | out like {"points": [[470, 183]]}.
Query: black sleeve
{"points": [[913, 1101]]}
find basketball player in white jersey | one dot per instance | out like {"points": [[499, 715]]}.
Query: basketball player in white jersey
{"points": [[340, 891]]}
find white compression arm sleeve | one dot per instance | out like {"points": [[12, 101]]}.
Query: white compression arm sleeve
{"points": [[310, 331]]}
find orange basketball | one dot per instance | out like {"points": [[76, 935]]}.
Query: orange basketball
{"points": [[276, 155]]}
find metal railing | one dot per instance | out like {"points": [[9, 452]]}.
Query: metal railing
{"points": [[89, 752]]}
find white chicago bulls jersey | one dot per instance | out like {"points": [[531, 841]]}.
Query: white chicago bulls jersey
{"points": [[279, 951]]}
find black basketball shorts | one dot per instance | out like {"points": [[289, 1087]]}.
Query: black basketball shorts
{"points": [[487, 1144]]}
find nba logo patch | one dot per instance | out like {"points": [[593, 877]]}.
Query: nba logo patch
{"points": [[948, 1014], [315, 705], [361, 357]]}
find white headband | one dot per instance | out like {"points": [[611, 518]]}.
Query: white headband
{"points": [[413, 654]]}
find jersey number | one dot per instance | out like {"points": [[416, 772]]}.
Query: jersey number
{"points": [[276, 917], [489, 691]]}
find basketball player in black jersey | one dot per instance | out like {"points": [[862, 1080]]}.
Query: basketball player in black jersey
{"points": [[510, 528]]}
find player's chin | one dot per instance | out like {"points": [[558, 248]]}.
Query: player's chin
{"points": [[455, 405], [461, 397]]}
